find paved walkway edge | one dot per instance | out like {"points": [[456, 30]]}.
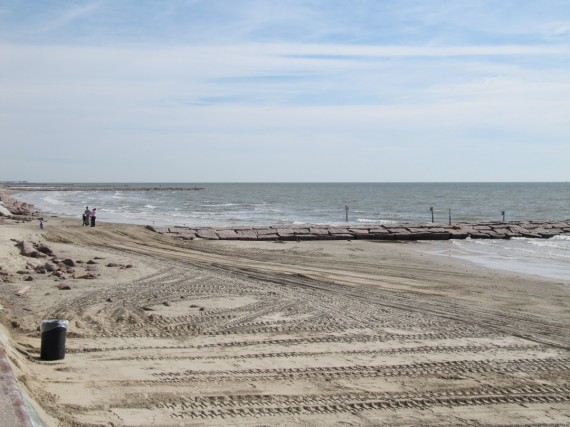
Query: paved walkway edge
{"points": [[13, 412]]}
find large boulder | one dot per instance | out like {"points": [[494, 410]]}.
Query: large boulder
{"points": [[45, 249], [26, 248], [207, 233], [3, 211], [227, 234], [247, 234]]}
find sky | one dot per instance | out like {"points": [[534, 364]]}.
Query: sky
{"points": [[285, 91]]}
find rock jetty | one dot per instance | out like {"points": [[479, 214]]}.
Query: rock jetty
{"points": [[402, 231], [96, 187]]}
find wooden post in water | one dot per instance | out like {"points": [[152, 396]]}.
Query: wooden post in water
{"points": [[431, 209], [449, 216], [346, 209]]}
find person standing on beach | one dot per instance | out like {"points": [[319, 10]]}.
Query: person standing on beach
{"points": [[86, 216], [42, 223], [93, 216]]}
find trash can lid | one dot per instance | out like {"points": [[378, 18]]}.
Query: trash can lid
{"points": [[48, 325]]}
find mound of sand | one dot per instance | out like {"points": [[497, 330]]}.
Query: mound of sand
{"points": [[174, 332]]}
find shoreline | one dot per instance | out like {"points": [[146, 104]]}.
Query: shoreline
{"points": [[166, 331], [397, 232]]}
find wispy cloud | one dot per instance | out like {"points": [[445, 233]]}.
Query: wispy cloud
{"points": [[74, 13], [558, 31], [336, 51], [46, 22]]}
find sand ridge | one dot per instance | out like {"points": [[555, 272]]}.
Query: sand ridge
{"points": [[297, 333]]}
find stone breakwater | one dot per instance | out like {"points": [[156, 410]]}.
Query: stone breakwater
{"points": [[403, 231], [97, 187]]}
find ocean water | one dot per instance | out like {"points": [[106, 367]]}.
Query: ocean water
{"points": [[270, 204], [243, 204]]}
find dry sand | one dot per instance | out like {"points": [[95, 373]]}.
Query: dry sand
{"points": [[340, 333]]}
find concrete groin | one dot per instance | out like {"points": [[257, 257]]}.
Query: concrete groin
{"points": [[400, 231]]}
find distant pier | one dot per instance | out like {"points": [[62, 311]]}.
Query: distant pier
{"points": [[401, 231], [26, 186]]}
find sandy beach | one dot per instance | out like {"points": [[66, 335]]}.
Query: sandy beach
{"points": [[169, 332]]}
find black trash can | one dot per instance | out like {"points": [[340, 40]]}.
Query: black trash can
{"points": [[53, 339]]}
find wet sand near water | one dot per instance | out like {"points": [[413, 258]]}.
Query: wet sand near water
{"points": [[313, 333]]}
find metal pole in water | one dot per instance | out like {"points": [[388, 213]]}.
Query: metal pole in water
{"points": [[431, 209], [346, 209]]}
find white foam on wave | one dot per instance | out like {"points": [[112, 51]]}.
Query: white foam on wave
{"points": [[553, 242], [520, 255], [375, 221], [264, 209], [53, 200]]}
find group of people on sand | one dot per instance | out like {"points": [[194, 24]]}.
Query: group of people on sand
{"points": [[89, 216]]}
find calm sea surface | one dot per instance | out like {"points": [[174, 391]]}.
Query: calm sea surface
{"points": [[239, 204]]}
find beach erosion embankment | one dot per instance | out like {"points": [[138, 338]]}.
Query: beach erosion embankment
{"points": [[399, 232]]}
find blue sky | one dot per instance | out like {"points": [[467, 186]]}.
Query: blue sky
{"points": [[260, 90]]}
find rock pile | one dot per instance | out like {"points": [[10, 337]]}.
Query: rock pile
{"points": [[5, 276], [43, 260], [12, 208], [53, 264], [403, 231]]}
